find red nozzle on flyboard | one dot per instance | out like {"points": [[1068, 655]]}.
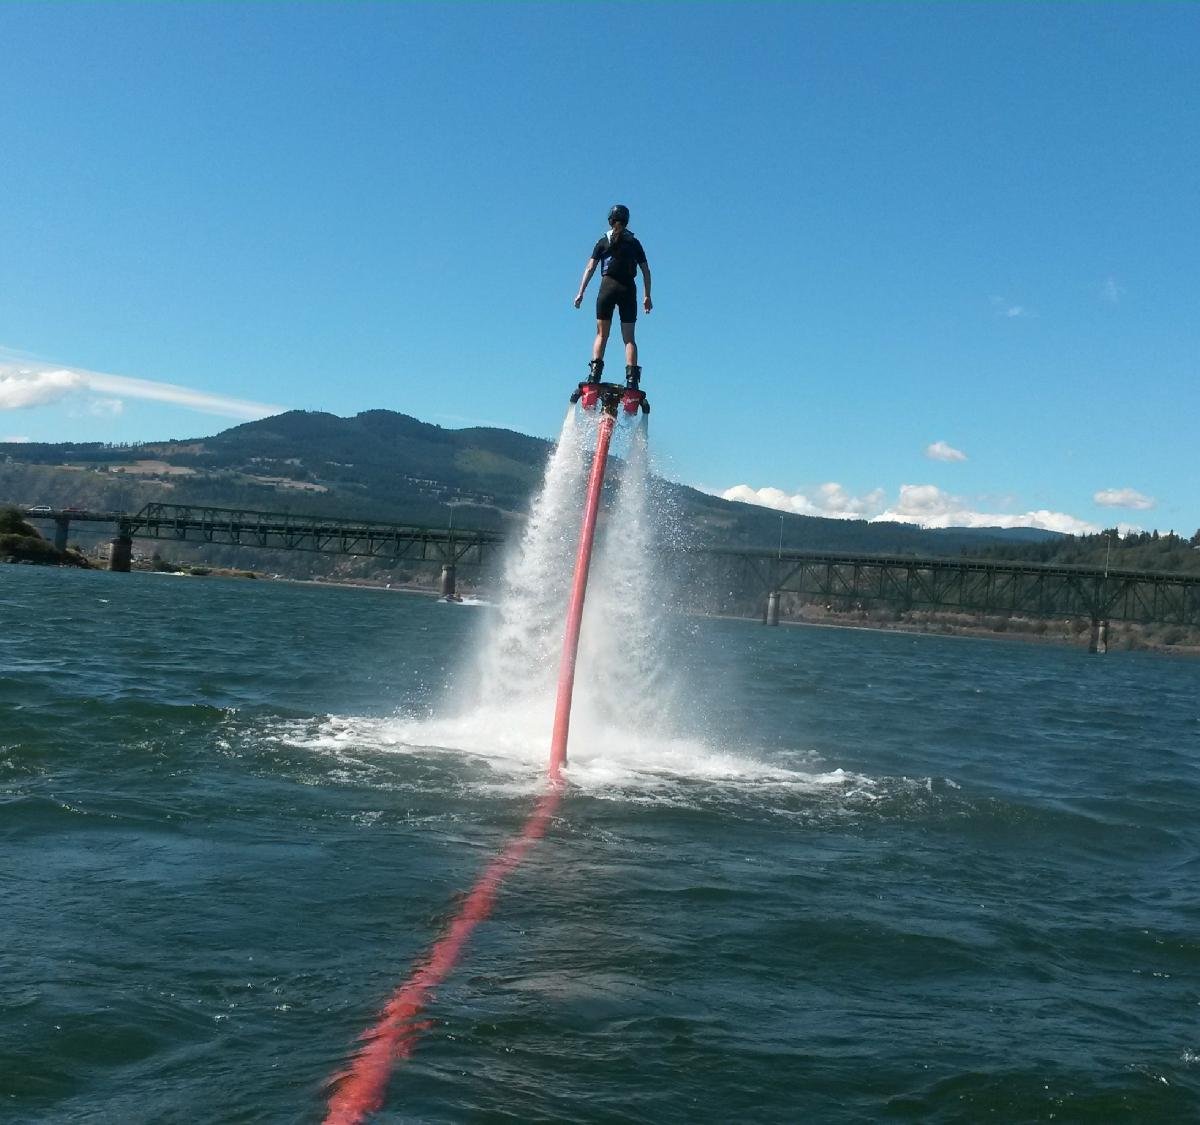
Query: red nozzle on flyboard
{"points": [[611, 398]]}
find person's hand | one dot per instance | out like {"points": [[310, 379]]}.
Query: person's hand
{"points": [[578, 299], [647, 304]]}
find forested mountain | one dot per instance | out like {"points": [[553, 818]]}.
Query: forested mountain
{"points": [[1141, 551], [384, 465], [376, 465]]}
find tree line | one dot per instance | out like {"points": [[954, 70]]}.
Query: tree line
{"points": [[1165, 552]]}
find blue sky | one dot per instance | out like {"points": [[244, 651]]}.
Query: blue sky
{"points": [[928, 261]]}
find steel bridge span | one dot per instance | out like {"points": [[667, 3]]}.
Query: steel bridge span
{"points": [[907, 582], [277, 531], [1101, 594]]}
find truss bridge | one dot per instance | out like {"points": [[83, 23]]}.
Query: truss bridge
{"points": [[844, 580], [1100, 594], [278, 531]]}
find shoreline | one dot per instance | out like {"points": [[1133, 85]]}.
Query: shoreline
{"points": [[982, 632], [1118, 638]]}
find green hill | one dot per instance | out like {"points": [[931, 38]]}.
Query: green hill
{"points": [[384, 465]]}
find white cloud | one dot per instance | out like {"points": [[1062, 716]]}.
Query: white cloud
{"points": [[21, 388], [830, 500], [941, 451], [928, 506], [1110, 291], [1124, 498], [923, 504], [27, 383], [14, 438]]}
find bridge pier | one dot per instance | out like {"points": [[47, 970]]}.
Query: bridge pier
{"points": [[61, 526], [1099, 639], [771, 614], [121, 557], [448, 580]]}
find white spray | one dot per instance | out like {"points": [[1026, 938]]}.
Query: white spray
{"points": [[629, 693], [519, 659], [618, 674], [624, 629]]}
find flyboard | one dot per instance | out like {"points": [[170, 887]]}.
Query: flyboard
{"points": [[610, 399], [361, 1086]]}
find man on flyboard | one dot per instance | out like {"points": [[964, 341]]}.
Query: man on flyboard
{"points": [[619, 255]]}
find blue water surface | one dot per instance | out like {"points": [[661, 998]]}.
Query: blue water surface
{"points": [[942, 879]]}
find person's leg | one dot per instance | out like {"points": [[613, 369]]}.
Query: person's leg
{"points": [[627, 334], [606, 300], [628, 307], [603, 328], [596, 367]]}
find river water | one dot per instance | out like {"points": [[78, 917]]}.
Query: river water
{"points": [[799, 874]]}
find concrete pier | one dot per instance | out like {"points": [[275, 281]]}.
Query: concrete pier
{"points": [[448, 580], [122, 554], [772, 614]]}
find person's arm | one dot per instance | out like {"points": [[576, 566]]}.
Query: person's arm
{"points": [[647, 304], [588, 270]]}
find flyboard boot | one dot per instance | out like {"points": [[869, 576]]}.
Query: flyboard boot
{"points": [[634, 398], [589, 389]]}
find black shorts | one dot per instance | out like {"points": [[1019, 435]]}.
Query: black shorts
{"points": [[615, 295]]}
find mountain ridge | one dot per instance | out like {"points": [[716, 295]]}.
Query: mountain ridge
{"points": [[402, 468]]}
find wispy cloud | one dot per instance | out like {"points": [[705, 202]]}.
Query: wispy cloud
{"points": [[14, 438], [106, 407], [1012, 310], [941, 451], [26, 383], [923, 504], [1124, 498], [1111, 292]]}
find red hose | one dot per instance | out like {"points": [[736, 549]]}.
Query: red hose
{"points": [[583, 560], [360, 1089]]}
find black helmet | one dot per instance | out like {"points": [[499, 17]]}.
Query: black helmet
{"points": [[618, 213]]}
